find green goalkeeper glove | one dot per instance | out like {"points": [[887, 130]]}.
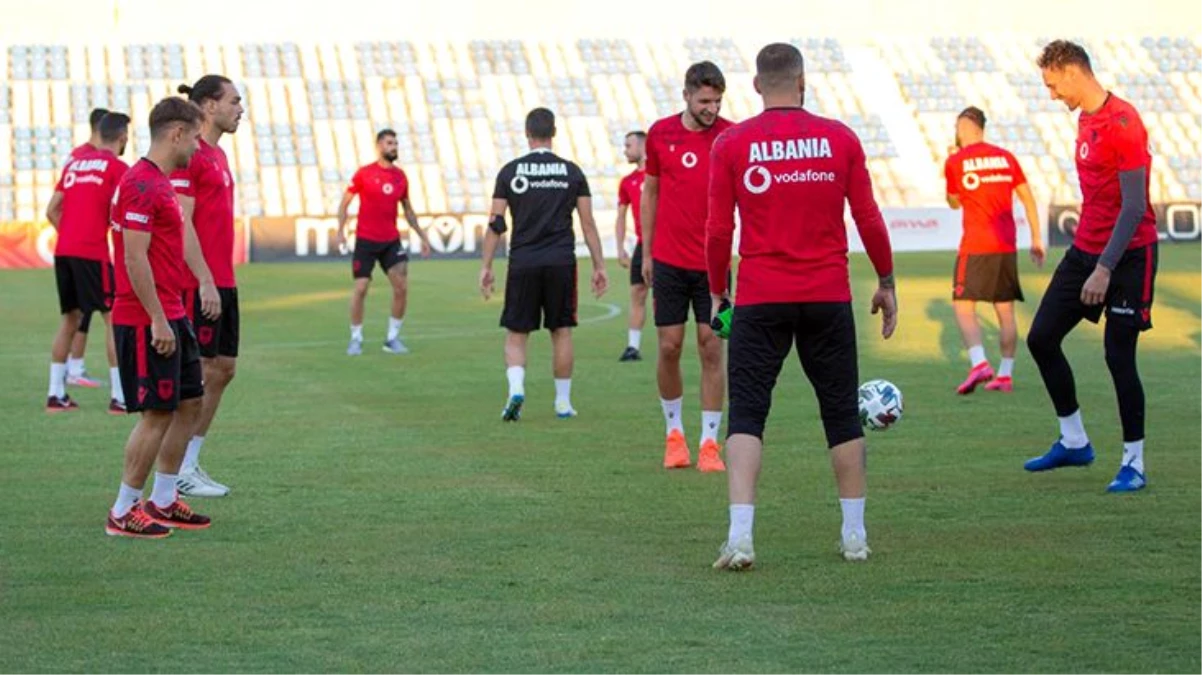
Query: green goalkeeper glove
{"points": [[722, 320]]}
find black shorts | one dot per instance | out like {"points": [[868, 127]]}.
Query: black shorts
{"points": [[636, 266], [674, 290], [987, 277], [86, 285], [368, 253], [154, 382], [220, 337], [1128, 299], [543, 295], [825, 335]]}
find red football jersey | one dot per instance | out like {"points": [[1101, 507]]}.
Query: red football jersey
{"points": [[680, 159], [790, 173], [208, 181], [145, 201], [630, 193], [87, 184], [380, 190], [983, 177], [79, 150], [1111, 140]]}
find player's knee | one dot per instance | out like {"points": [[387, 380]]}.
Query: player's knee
{"points": [[1120, 350], [711, 353], [1041, 341], [361, 286], [670, 349]]}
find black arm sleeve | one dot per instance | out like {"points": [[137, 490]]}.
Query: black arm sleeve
{"points": [[1135, 203]]}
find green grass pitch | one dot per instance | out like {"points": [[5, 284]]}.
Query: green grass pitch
{"points": [[384, 519]]}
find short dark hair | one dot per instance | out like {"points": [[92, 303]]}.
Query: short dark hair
{"points": [[112, 126], [385, 133], [540, 124], [704, 74], [1060, 53], [206, 88], [170, 111], [974, 115], [95, 116], [641, 135], [779, 65]]}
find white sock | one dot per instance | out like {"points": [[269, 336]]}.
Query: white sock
{"points": [[1133, 455], [1072, 431], [634, 337], [357, 332], [192, 454], [710, 423], [742, 516], [163, 493], [126, 498], [58, 380], [853, 517], [115, 390], [517, 380], [672, 414], [74, 367], [1007, 367], [976, 354], [394, 328], [563, 391]]}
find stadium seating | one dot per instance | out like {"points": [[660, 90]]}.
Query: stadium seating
{"points": [[313, 110]]}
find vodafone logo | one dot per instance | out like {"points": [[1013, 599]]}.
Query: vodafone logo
{"points": [[388, 188], [757, 180], [519, 184], [68, 180], [1083, 151], [971, 181], [689, 159]]}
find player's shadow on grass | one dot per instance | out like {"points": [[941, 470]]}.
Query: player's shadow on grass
{"points": [[951, 345]]}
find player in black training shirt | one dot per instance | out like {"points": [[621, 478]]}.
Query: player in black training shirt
{"points": [[541, 189]]}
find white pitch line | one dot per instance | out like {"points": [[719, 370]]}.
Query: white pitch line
{"points": [[612, 311]]}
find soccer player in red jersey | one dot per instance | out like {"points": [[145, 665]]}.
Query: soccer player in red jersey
{"points": [[77, 374], [205, 188], [630, 196], [674, 210], [789, 173], [1111, 264], [157, 353], [983, 179], [380, 186], [79, 210]]}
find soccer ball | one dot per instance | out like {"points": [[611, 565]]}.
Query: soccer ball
{"points": [[880, 404]]}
